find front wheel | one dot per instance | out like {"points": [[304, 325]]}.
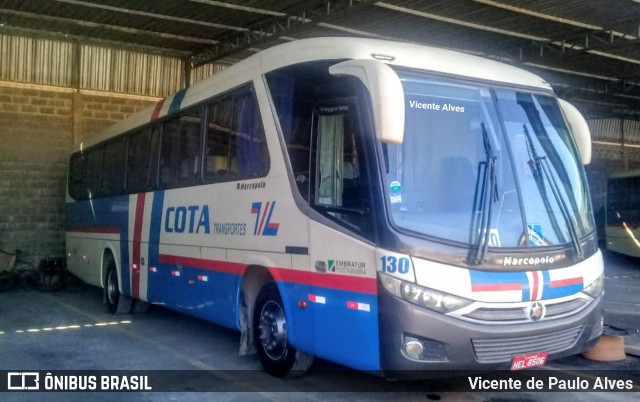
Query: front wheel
{"points": [[277, 356], [118, 303]]}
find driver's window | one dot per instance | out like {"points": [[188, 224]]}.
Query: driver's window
{"points": [[341, 186]]}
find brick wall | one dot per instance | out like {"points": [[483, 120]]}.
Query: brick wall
{"points": [[100, 112], [36, 137]]}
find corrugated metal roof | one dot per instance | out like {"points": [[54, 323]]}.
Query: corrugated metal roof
{"points": [[39, 61], [615, 131]]}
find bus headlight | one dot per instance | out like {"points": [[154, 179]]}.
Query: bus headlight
{"points": [[596, 289], [424, 297]]}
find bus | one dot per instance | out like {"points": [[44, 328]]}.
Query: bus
{"points": [[622, 216], [390, 207]]}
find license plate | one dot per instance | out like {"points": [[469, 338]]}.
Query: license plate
{"points": [[528, 361]]}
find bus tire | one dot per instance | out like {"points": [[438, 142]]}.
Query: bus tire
{"points": [[117, 302], [277, 356], [139, 306]]}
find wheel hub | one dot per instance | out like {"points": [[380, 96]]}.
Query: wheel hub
{"points": [[273, 330], [112, 287]]}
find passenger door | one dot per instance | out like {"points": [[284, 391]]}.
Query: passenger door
{"points": [[342, 251]]}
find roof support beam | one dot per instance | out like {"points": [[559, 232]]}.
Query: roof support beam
{"points": [[288, 24], [560, 43], [88, 24], [237, 7], [151, 15], [548, 17]]}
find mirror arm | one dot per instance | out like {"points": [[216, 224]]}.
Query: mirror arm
{"points": [[387, 95], [579, 130]]}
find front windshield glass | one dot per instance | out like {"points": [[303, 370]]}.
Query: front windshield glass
{"points": [[477, 160]]}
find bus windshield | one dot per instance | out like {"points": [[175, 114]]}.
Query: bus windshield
{"points": [[486, 163]]}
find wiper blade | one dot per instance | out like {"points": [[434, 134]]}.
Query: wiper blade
{"points": [[563, 206], [541, 170], [485, 192], [536, 169]]}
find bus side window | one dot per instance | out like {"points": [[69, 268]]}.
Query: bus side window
{"points": [[113, 169], [137, 162], [153, 159], [236, 147], [217, 142], [180, 149], [169, 153], [94, 168], [247, 147], [77, 171], [189, 154], [142, 160]]}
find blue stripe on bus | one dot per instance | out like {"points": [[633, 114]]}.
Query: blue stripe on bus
{"points": [[331, 330], [337, 333], [177, 100], [510, 281], [214, 299]]}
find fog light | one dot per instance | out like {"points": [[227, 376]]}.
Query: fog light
{"points": [[424, 350], [413, 347]]}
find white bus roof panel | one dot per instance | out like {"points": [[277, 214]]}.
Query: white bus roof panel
{"points": [[395, 53]]}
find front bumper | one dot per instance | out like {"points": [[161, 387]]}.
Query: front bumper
{"points": [[457, 346]]}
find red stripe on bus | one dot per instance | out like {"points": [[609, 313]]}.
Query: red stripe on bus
{"points": [[156, 110], [137, 237], [331, 281], [536, 283], [565, 282], [498, 287], [94, 229], [209, 265], [264, 215]]}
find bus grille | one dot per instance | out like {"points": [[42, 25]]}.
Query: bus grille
{"points": [[518, 314], [504, 349]]}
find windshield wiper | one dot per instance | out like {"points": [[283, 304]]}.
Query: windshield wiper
{"points": [[481, 215], [540, 168]]}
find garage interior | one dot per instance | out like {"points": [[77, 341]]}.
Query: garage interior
{"points": [[70, 68]]}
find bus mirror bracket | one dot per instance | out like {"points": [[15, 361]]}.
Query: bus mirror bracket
{"points": [[579, 130], [387, 95]]}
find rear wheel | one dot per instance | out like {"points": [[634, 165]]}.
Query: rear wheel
{"points": [[139, 306], [277, 356], [117, 302]]}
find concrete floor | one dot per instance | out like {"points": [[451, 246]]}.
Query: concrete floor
{"points": [[72, 330]]}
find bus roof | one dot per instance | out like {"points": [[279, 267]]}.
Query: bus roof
{"points": [[394, 53]]}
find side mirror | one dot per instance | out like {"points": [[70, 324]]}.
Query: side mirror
{"points": [[579, 130], [387, 95]]}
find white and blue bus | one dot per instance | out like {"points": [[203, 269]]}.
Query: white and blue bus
{"points": [[387, 206]]}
